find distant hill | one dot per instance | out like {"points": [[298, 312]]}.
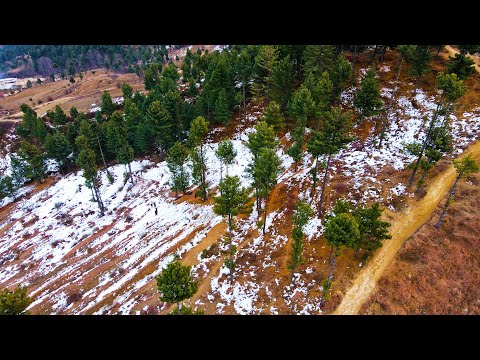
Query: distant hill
{"points": [[29, 60]]}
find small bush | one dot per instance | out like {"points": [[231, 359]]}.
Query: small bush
{"points": [[74, 297]]}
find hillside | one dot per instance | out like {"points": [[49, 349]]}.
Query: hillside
{"points": [[73, 261]]}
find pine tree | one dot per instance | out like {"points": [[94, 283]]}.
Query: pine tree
{"points": [[282, 86], [86, 161], [108, 107], [15, 302], [464, 166], [175, 105], [404, 52], [273, 117], [232, 201], [266, 169], [176, 159], [341, 72], [321, 89], [331, 138], [196, 141], [74, 113], [265, 63], [303, 212], [58, 148], [367, 99], [133, 119], [340, 231], [33, 157], [59, 117], [151, 76], [6, 186], [452, 89], [226, 154], [176, 283], [127, 91], [372, 230], [419, 59], [160, 122], [300, 107], [221, 112], [245, 71], [262, 138], [317, 59], [439, 143]]}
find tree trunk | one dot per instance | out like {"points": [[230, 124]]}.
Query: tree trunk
{"points": [[447, 204], [420, 182], [291, 276], [384, 50], [99, 201], [374, 54], [323, 187], [314, 174], [93, 194], [204, 185], [416, 86], [103, 158], [178, 308], [330, 255], [131, 175], [265, 214], [385, 122], [244, 106], [230, 247], [221, 170], [353, 64], [259, 207], [424, 146], [330, 276]]}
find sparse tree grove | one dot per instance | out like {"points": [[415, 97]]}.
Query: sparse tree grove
{"points": [[296, 97]]}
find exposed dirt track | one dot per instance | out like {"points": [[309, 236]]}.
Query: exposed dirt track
{"points": [[404, 225]]}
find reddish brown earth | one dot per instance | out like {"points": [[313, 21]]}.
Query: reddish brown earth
{"points": [[436, 271]]}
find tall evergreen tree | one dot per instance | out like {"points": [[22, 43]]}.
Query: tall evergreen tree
{"points": [[159, 120], [226, 154], [33, 157], [341, 72], [452, 89], [221, 111], [232, 201], [262, 138], [265, 63], [245, 72], [404, 52], [419, 61], [176, 283], [303, 212], [108, 107], [461, 65], [301, 106], [196, 141], [86, 160], [464, 166], [58, 148], [367, 99], [177, 157], [265, 170], [340, 231], [372, 229], [439, 143], [332, 137], [317, 59], [282, 86], [273, 117], [321, 89]]}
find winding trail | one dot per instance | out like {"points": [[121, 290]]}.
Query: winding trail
{"points": [[404, 225]]}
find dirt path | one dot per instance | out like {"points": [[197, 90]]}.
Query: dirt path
{"points": [[404, 225]]}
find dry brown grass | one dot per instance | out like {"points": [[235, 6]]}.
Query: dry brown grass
{"points": [[436, 271]]}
